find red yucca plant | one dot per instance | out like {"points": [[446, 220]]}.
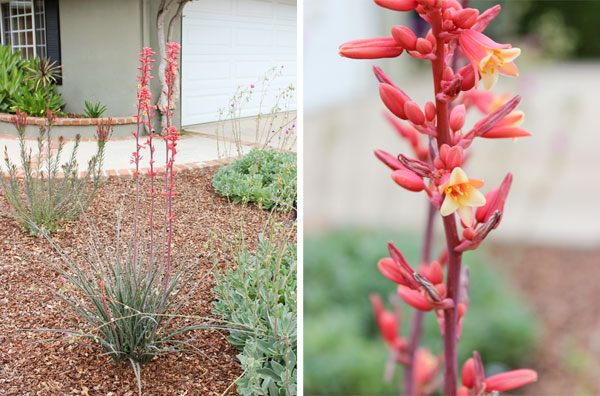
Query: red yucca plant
{"points": [[437, 171], [134, 292]]}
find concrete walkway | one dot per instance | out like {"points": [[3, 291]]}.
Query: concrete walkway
{"points": [[199, 146]]}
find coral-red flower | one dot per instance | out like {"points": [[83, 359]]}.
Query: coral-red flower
{"points": [[488, 56]]}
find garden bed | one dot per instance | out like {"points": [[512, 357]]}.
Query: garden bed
{"points": [[68, 127], [30, 368]]}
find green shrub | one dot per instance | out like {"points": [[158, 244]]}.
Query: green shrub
{"points": [[344, 352], [264, 176], [258, 295], [27, 85], [36, 102], [46, 199], [12, 76]]}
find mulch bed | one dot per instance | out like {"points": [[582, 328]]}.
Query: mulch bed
{"points": [[28, 367], [562, 287]]}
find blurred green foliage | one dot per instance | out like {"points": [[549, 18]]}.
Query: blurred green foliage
{"points": [[559, 28], [344, 353]]}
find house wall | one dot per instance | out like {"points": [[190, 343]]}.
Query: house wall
{"points": [[100, 41]]}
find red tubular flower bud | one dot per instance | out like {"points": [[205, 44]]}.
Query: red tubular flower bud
{"points": [[387, 322], [392, 271], [510, 380], [468, 75], [430, 37], [506, 132], [495, 200], [397, 5], [414, 113], [414, 298], [393, 98], [457, 117], [448, 74], [405, 37], [465, 18], [448, 25], [373, 48], [468, 373], [469, 233], [408, 180], [381, 76], [424, 46], [403, 265], [429, 111], [463, 391], [388, 159], [425, 367], [435, 274]]}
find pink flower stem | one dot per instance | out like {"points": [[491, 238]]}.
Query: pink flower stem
{"points": [[452, 240], [416, 331], [137, 188]]}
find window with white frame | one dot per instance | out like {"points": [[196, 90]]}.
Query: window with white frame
{"points": [[24, 27]]}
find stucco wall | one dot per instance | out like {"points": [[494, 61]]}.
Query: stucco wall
{"points": [[99, 45]]}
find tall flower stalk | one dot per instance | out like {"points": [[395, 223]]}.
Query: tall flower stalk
{"points": [[438, 172]]}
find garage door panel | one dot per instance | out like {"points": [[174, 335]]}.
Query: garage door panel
{"points": [[286, 12], [254, 37], [255, 8], [222, 7], [234, 43]]}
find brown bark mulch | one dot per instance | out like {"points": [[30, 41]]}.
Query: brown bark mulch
{"points": [[28, 367], [562, 285]]}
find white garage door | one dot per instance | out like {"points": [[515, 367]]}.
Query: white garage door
{"points": [[231, 43]]}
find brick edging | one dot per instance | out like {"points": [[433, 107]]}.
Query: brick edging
{"points": [[72, 121]]}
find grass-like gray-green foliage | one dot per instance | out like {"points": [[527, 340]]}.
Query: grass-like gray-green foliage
{"points": [[258, 294], [51, 193], [129, 311], [264, 176], [343, 350]]}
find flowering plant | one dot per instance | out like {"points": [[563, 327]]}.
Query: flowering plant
{"points": [[134, 294], [438, 171], [53, 191]]}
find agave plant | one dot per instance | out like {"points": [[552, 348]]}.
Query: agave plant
{"points": [[43, 73]]}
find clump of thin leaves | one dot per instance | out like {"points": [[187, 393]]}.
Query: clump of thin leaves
{"points": [[51, 192], [131, 310], [133, 293]]}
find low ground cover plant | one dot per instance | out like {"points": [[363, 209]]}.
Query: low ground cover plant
{"points": [[51, 192], [27, 85], [348, 358], [257, 295], [264, 176]]}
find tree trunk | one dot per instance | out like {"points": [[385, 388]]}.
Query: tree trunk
{"points": [[163, 19]]}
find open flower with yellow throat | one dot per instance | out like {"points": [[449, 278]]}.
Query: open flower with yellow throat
{"points": [[461, 195]]}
